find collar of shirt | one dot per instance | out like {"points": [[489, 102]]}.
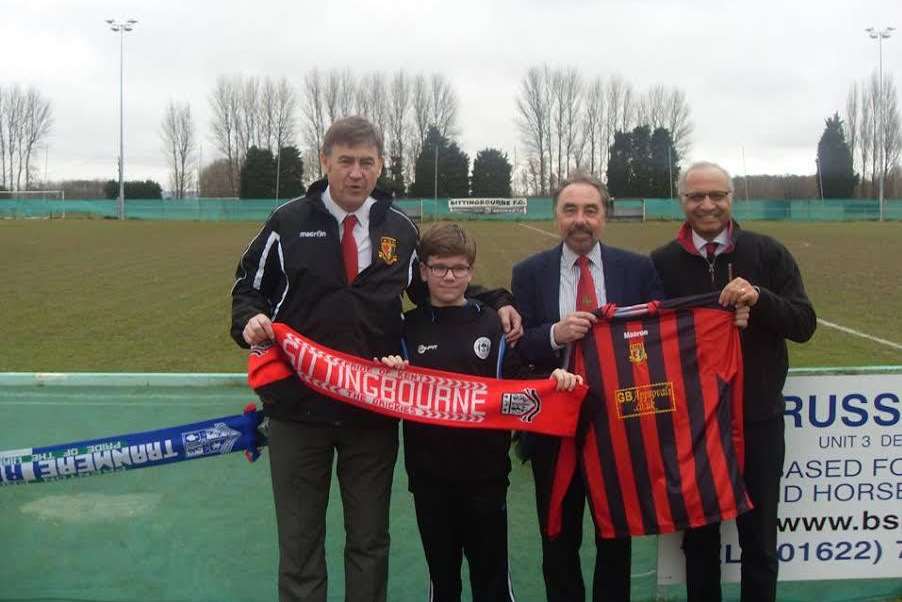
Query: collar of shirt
{"points": [[363, 213], [721, 239], [568, 257]]}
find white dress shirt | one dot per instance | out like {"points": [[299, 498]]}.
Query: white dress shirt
{"points": [[570, 280], [361, 229]]}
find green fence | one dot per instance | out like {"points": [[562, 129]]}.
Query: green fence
{"points": [[539, 208], [205, 530]]}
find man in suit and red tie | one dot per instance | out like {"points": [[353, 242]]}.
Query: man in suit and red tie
{"points": [[556, 290]]}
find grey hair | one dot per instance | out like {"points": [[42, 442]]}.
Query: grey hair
{"points": [[681, 185]]}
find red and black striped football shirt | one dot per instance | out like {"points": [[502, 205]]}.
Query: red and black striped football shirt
{"points": [[660, 441]]}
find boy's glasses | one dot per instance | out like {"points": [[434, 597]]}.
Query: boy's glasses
{"points": [[440, 270]]}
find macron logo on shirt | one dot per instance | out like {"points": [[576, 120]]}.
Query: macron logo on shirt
{"points": [[312, 234]]}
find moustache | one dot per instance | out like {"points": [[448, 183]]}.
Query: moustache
{"points": [[580, 229]]}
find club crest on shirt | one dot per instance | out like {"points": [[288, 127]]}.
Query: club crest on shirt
{"points": [[482, 347], [526, 404], [637, 352], [388, 249]]}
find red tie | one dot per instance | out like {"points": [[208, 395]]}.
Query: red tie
{"points": [[565, 463], [586, 300], [349, 247], [710, 250]]}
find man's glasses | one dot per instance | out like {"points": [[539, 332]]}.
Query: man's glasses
{"points": [[440, 270], [714, 195]]}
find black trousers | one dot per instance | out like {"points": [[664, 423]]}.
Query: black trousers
{"points": [[457, 519], [560, 556], [301, 460], [764, 452]]}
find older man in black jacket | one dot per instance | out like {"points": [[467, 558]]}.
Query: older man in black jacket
{"points": [[333, 265], [711, 253]]}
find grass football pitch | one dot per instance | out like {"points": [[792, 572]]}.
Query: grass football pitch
{"points": [[104, 296]]}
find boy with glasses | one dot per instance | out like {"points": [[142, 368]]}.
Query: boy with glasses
{"points": [[459, 476]]}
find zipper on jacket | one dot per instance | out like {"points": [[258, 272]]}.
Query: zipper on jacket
{"points": [[711, 269]]}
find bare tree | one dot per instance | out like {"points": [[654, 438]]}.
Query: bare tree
{"points": [[421, 105], [851, 122], [873, 102], [224, 102], [558, 108], [3, 109], [373, 87], [362, 98], [314, 113], [618, 116], [339, 94], [399, 107], [346, 98], [571, 95], [443, 105], [677, 121], [26, 118], [285, 115], [251, 112], [214, 180], [891, 138], [266, 114], [419, 119], [593, 117], [249, 116], [628, 108], [652, 107], [533, 120], [180, 147], [865, 137]]}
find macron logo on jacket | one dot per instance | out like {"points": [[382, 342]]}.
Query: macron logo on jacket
{"points": [[312, 234]]}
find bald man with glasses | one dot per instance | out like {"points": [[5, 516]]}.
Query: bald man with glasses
{"points": [[711, 252]]}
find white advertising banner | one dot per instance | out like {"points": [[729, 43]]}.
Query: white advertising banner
{"points": [[490, 206], [841, 493]]}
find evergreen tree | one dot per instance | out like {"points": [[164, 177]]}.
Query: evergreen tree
{"points": [[491, 174], [291, 173], [134, 189], [664, 164], [453, 168], [641, 163], [836, 177], [392, 178], [258, 175], [619, 164]]}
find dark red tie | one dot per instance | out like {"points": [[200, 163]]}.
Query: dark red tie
{"points": [[586, 300], [349, 247], [710, 250], [565, 463]]}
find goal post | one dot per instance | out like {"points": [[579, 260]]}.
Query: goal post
{"points": [[34, 203]]}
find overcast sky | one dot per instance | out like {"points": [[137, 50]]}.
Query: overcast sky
{"points": [[759, 75]]}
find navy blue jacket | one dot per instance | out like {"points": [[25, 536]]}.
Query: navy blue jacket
{"points": [[629, 278]]}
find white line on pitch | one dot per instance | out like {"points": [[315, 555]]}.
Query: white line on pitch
{"points": [[858, 333], [539, 230]]}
